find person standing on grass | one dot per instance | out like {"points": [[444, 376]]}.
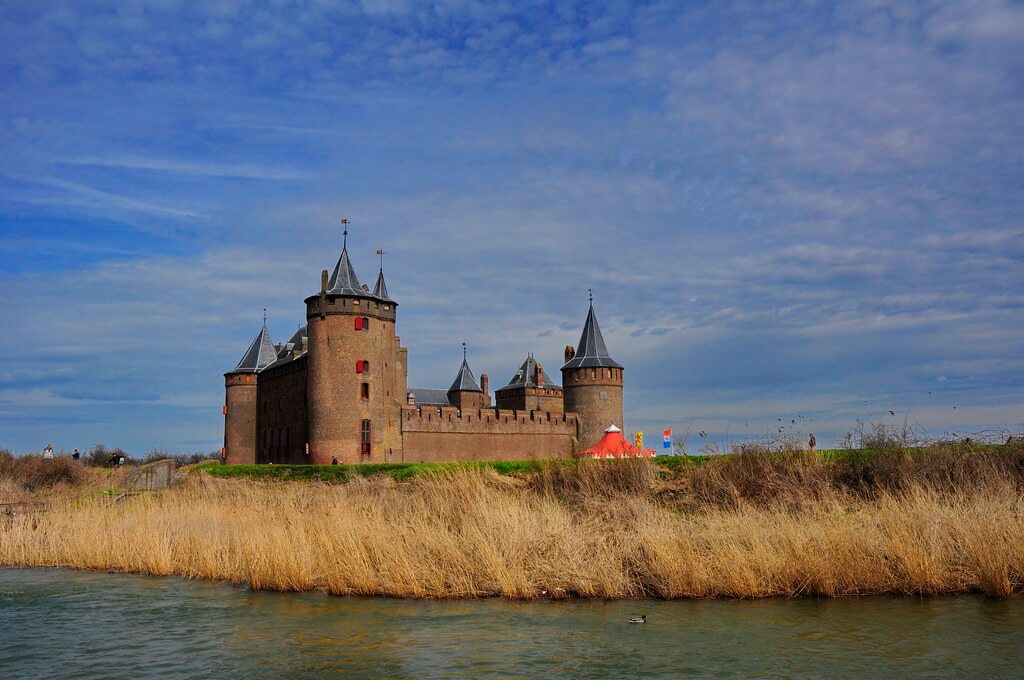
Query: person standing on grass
{"points": [[75, 455], [811, 442], [48, 451]]}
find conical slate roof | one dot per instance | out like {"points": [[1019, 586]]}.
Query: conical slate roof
{"points": [[465, 380], [381, 289], [591, 351], [524, 377], [260, 354], [344, 280]]}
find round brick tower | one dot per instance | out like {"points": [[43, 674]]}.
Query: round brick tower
{"points": [[356, 378], [592, 384], [240, 388]]}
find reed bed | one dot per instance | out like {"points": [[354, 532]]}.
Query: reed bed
{"points": [[747, 527]]}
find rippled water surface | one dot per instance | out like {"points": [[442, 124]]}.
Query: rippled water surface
{"points": [[66, 624]]}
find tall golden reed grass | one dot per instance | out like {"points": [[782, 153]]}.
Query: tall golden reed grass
{"points": [[748, 527]]}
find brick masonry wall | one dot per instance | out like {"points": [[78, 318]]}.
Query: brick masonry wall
{"points": [[240, 419], [281, 418], [336, 405], [431, 435], [595, 396]]}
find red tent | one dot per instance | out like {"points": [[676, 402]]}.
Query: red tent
{"points": [[614, 445]]}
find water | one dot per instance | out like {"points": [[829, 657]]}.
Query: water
{"points": [[66, 624]]}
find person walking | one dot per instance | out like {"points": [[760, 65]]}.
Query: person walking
{"points": [[48, 451]]}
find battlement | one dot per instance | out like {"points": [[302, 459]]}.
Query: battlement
{"points": [[449, 418], [444, 433]]}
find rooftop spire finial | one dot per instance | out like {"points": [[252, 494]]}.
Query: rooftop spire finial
{"points": [[344, 243], [264, 316], [463, 350], [590, 293]]}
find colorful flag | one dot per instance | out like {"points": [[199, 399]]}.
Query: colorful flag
{"points": [[639, 439], [666, 439]]}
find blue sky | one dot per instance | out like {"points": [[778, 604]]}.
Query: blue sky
{"points": [[783, 208]]}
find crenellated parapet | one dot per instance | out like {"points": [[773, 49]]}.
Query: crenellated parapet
{"points": [[445, 433]]}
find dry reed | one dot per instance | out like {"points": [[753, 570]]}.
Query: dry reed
{"points": [[746, 527]]}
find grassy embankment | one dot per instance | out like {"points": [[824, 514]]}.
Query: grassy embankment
{"points": [[943, 520]]}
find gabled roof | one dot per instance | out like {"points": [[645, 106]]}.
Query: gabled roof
{"points": [[261, 353], [524, 377], [429, 396], [465, 380], [380, 290], [591, 351]]}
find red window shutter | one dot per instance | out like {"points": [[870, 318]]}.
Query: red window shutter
{"points": [[359, 323], [359, 366]]}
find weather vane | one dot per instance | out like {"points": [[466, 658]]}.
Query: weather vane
{"points": [[382, 254], [344, 244]]}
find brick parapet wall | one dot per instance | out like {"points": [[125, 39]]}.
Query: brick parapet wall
{"points": [[439, 434]]}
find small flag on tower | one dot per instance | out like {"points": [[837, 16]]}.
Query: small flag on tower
{"points": [[639, 439], [666, 439]]}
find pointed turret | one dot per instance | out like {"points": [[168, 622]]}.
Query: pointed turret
{"points": [[465, 381], [344, 280], [240, 391], [465, 392], [591, 352], [261, 353], [593, 383], [380, 290]]}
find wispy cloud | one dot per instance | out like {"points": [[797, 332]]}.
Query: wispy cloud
{"points": [[813, 210]]}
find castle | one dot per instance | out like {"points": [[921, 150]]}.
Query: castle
{"points": [[336, 392]]}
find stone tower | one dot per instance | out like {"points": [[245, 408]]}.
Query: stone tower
{"points": [[592, 382], [356, 370], [240, 400]]}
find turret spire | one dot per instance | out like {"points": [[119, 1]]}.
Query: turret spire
{"points": [[465, 381], [380, 290], [261, 352], [591, 351]]}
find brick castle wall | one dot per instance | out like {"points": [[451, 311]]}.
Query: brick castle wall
{"points": [[595, 396], [336, 403], [431, 435], [282, 418], [240, 418]]}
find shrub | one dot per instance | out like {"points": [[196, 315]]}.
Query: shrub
{"points": [[35, 472]]}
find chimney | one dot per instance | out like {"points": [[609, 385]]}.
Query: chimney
{"points": [[538, 374], [323, 281], [570, 352], [484, 382]]}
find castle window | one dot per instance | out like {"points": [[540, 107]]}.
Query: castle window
{"points": [[364, 443], [362, 366], [359, 323], [366, 323], [365, 391]]}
